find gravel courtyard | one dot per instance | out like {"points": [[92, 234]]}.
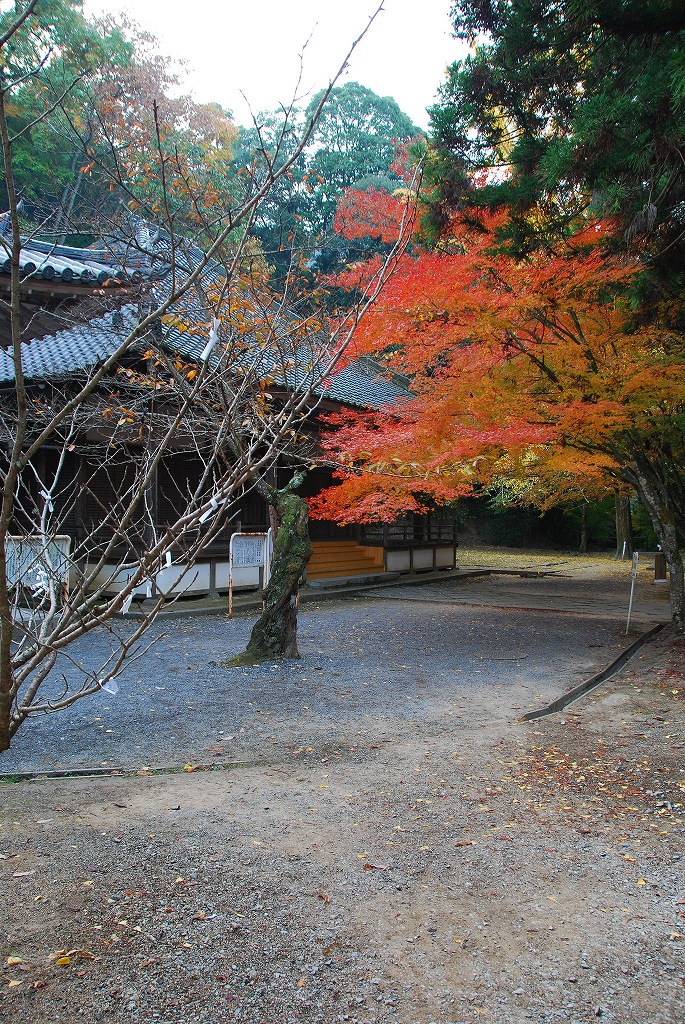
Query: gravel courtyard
{"points": [[365, 835], [367, 665]]}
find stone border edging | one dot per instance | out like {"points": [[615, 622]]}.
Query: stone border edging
{"points": [[120, 773], [576, 692]]}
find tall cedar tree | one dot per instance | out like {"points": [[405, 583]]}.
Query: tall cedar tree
{"points": [[569, 106]]}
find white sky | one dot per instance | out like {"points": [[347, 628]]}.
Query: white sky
{"points": [[253, 46]]}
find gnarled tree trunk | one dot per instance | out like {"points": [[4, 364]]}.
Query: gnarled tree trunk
{"points": [[275, 632]]}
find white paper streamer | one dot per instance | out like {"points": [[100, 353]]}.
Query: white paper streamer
{"points": [[213, 338]]}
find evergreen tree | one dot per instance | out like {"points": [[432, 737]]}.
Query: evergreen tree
{"points": [[569, 106]]}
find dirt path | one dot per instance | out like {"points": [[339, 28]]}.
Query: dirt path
{"points": [[452, 867]]}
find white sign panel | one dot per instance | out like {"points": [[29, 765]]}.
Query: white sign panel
{"points": [[248, 550], [38, 564]]}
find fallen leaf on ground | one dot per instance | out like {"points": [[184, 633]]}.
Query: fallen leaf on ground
{"points": [[376, 867]]}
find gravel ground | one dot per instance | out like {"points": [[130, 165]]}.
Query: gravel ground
{"points": [[362, 660], [392, 848]]}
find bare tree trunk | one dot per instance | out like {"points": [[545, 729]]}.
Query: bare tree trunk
{"points": [[624, 525], [71, 190], [12, 472], [275, 632], [582, 546]]}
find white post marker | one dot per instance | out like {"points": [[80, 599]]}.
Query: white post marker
{"points": [[268, 554], [633, 577]]}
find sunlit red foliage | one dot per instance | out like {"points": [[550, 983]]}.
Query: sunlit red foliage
{"points": [[517, 367]]}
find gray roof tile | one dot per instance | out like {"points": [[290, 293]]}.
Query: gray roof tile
{"points": [[44, 261], [78, 348], [81, 348]]}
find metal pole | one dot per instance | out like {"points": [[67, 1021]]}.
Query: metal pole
{"points": [[230, 577], [633, 577]]}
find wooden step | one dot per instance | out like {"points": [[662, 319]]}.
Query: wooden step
{"points": [[369, 570], [343, 558], [343, 569], [334, 545]]}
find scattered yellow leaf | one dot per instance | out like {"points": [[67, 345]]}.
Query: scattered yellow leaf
{"points": [[13, 984], [301, 982], [641, 881], [63, 961], [12, 961]]}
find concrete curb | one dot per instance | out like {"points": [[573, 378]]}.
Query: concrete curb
{"points": [[600, 677], [252, 602], [346, 587]]}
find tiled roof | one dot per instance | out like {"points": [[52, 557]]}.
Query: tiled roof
{"points": [[43, 261], [82, 347], [78, 348], [362, 384]]}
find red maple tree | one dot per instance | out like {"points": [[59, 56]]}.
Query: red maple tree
{"points": [[535, 369]]}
